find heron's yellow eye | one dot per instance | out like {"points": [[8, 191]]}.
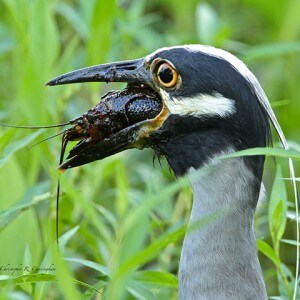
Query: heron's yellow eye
{"points": [[167, 76]]}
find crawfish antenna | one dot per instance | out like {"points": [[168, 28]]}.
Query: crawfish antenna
{"points": [[35, 127]]}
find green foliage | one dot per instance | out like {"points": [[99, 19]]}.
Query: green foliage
{"points": [[277, 209], [32, 197], [10, 146], [278, 152], [277, 223], [122, 221]]}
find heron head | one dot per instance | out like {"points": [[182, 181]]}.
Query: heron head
{"points": [[210, 102]]}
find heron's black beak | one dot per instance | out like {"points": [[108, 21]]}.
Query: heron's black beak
{"points": [[122, 120], [135, 71]]}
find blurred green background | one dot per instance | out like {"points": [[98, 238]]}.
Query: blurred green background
{"points": [[121, 220]]}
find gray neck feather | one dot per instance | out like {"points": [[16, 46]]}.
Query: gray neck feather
{"points": [[219, 260]]}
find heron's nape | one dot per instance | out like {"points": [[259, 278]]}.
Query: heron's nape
{"points": [[195, 104]]}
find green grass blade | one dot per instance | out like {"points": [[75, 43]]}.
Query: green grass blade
{"points": [[266, 249], [277, 152], [156, 278], [31, 278], [277, 209]]}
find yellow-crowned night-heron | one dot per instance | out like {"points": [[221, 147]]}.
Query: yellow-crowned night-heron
{"points": [[211, 105]]}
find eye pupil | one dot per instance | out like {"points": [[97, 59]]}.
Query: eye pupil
{"points": [[165, 74]]}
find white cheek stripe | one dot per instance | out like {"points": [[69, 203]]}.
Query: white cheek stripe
{"points": [[200, 105]]}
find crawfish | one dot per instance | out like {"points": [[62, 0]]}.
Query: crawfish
{"points": [[117, 111]]}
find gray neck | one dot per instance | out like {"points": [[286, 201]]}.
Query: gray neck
{"points": [[219, 260]]}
